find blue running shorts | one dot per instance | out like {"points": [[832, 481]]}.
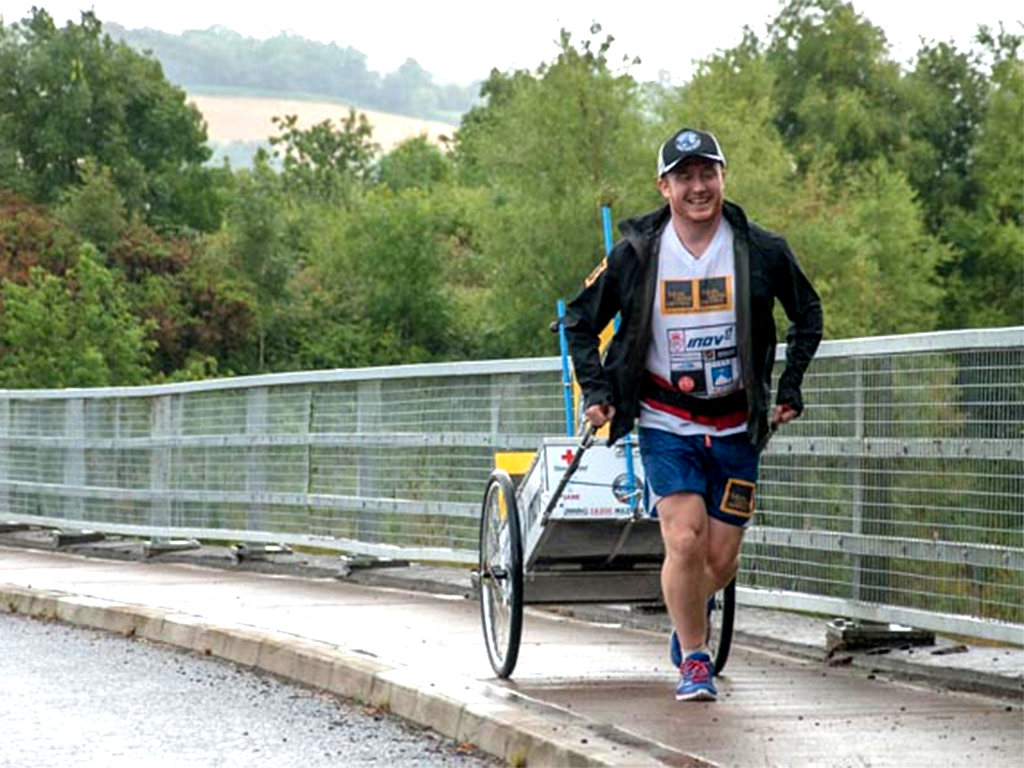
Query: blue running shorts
{"points": [[721, 469]]}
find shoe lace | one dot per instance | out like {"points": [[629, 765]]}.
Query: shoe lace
{"points": [[695, 670]]}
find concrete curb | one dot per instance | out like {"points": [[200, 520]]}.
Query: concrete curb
{"points": [[503, 723]]}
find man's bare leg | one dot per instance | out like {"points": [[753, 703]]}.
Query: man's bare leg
{"points": [[684, 580], [723, 554]]}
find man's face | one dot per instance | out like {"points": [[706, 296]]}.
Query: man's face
{"points": [[694, 189]]}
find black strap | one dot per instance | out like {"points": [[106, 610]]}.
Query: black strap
{"points": [[734, 402]]}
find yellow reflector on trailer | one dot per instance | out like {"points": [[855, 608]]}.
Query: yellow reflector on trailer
{"points": [[514, 462]]}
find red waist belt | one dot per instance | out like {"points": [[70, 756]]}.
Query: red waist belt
{"points": [[718, 412]]}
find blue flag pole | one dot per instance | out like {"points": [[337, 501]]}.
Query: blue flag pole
{"points": [[563, 344]]}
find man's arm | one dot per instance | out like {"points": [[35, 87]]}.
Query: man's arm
{"points": [[803, 308], [590, 311]]}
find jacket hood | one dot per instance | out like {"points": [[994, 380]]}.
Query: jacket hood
{"points": [[646, 225]]}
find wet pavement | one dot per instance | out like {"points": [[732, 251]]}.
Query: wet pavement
{"points": [[774, 709]]}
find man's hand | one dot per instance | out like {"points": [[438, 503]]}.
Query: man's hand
{"points": [[783, 412], [599, 414]]}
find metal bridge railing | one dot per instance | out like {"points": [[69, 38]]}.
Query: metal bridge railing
{"points": [[899, 496]]}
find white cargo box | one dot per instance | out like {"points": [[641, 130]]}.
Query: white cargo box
{"points": [[598, 489]]}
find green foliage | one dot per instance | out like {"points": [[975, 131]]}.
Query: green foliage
{"points": [[257, 235], [552, 148], [837, 92], [199, 313], [71, 331], [70, 94], [322, 161], [94, 211], [414, 162], [865, 246], [387, 267], [946, 94], [125, 259], [987, 280]]}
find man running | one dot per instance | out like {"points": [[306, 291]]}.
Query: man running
{"points": [[695, 283]]}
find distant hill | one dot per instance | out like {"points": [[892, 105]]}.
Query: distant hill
{"points": [[241, 118], [218, 61], [238, 125]]}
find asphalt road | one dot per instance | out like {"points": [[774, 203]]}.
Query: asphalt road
{"points": [[78, 697]]}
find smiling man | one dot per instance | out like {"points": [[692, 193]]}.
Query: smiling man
{"points": [[695, 283]]}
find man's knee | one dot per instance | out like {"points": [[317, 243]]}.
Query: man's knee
{"points": [[684, 527]]}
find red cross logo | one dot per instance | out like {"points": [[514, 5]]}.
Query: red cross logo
{"points": [[567, 456]]}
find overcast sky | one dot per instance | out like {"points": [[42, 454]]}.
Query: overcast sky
{"points": [[461, 41]]}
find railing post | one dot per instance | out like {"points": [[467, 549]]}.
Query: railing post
{"points": [[74, 464], [857, 523], [256, 423], [368, 420], [5, 456], [160, 429]]}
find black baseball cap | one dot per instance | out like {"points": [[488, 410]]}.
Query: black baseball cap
{"points": [[688, 142]]}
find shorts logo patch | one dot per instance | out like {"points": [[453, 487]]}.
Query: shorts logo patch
{"points": [[738, 498], [598, 271], [677, 296]]}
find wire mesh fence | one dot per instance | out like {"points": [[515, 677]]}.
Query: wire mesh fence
{"points": [[900, 493]]}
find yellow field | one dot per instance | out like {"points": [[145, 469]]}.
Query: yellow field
{"points": [[241, 118]]}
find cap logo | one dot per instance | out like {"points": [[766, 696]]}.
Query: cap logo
{"points": [[687, 141]]}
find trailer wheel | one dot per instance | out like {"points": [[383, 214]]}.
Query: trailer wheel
{"points": [[500, 574]]}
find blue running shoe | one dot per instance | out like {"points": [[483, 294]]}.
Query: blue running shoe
{"points": [[675, 652], [696, 677]]}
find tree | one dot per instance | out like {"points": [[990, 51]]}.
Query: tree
{"points": [[94, 211], [257, 237], [70, 94], [322, 161], [414, 162], [71, 331], [987, 279], [386, 262], [29, 237], [946, 94], [552, 148], [201, 315], [836, 89], [409, 90]]}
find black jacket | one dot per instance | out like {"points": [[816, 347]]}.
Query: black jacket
{"points": [[626, 281]]}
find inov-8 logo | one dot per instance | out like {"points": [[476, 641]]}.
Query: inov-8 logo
{"points": [[710, 338]]}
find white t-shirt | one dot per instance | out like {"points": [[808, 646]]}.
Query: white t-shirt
{"points": [[693, 344]]}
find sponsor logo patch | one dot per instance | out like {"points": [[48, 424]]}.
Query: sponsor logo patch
{"points": [[677, 296], [621, 490], [721, 375], [676, 341], [714, 293], [738, 498], [709, 337]]}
